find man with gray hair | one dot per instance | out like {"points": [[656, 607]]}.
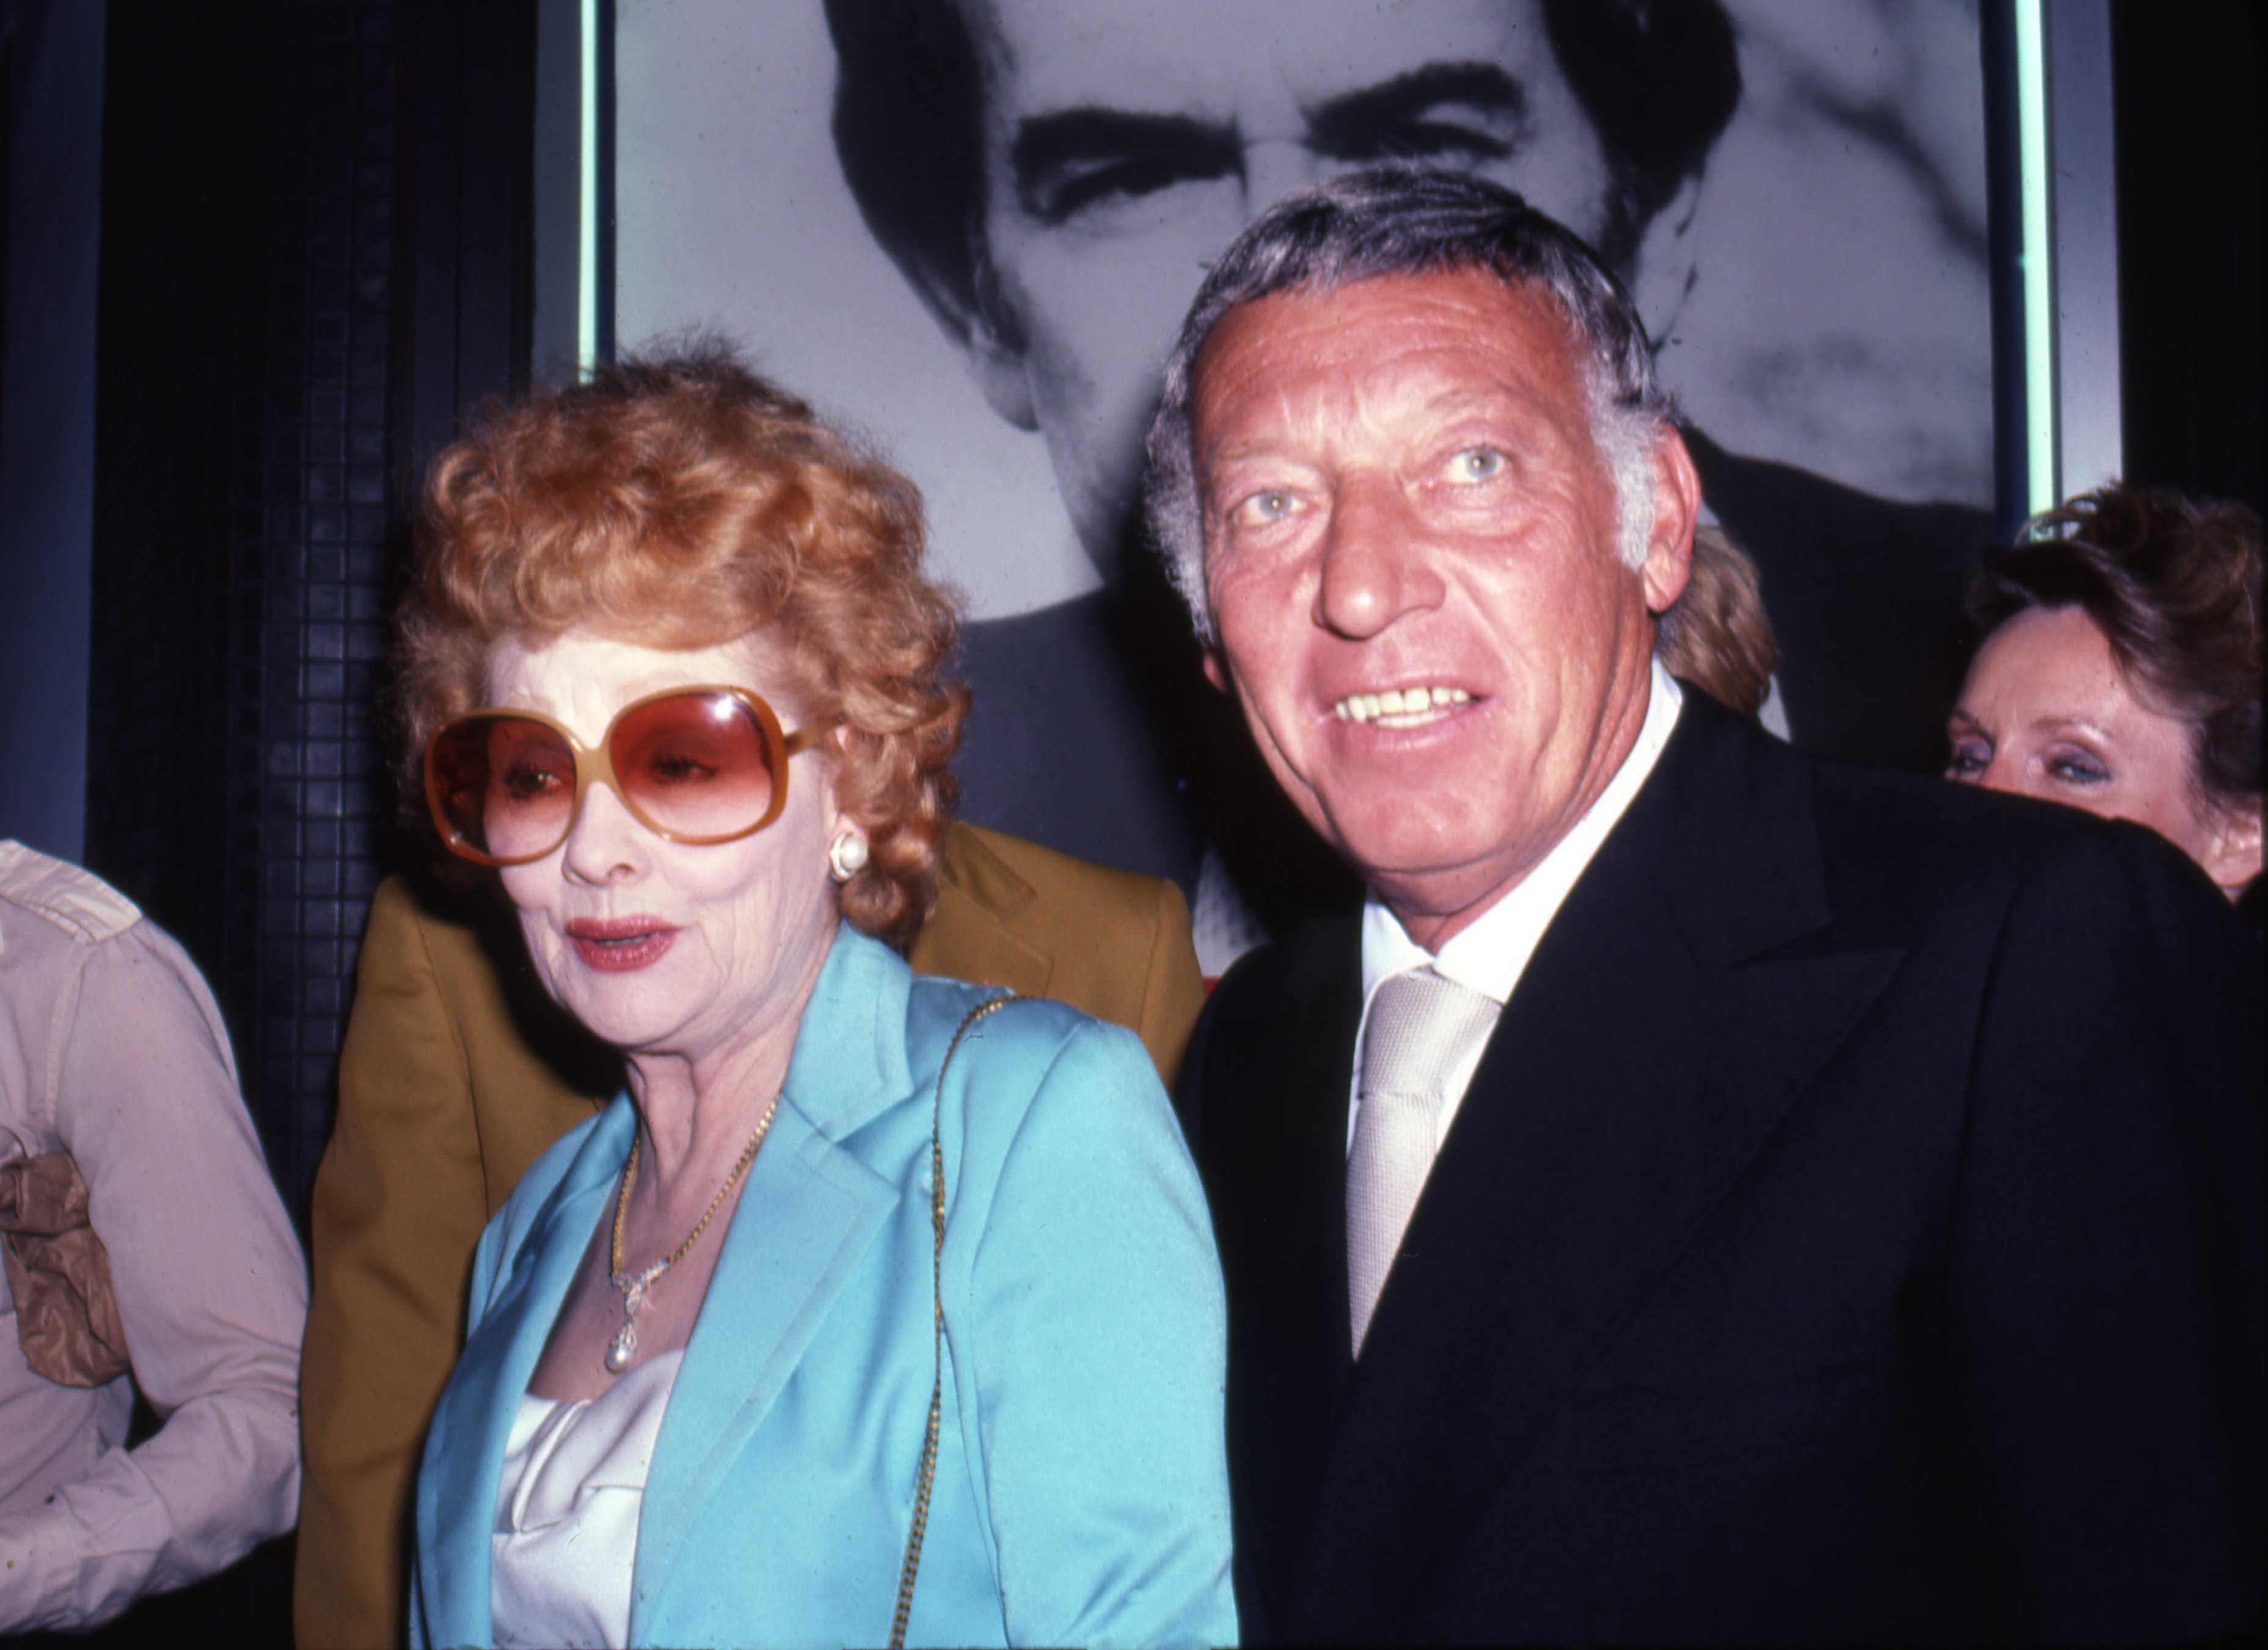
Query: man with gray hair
{"points": [[1705, 1192]]}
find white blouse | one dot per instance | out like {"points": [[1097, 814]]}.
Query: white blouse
{"points": [[567, 1511]]}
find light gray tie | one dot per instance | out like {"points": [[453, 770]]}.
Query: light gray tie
{"points": [[1421, 1025]]}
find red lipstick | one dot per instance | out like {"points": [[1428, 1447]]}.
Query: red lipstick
{"points": [[621, 944]]}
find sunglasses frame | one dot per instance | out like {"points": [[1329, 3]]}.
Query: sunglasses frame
{"points": [[597, 767]]}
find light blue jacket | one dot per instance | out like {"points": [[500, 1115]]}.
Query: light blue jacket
{"points": [[1081, 1495]]}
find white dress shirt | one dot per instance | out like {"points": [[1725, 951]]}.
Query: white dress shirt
{"points": [[112, 1050], [564, 1550], [1491, 953]]}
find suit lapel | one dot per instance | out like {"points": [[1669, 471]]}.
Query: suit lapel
{"points": [[809, 1213], [809, 1216], [1275, 1150], [1648, 1053], [474, 1420]]}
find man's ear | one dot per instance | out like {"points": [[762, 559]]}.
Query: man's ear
{"points": [[1216, 667], [1661, 274], [1676, 508], [2232, 856]]}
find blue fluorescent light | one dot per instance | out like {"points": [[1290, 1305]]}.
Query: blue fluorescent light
{"points": [[586, 239], [2041, 484]]}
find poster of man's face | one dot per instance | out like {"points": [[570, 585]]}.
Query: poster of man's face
{"points": [[969, 229]]}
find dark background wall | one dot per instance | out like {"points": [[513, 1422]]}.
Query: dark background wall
{"points": [[2188, 80], [315, 259], [50, 179], [241, 523]]}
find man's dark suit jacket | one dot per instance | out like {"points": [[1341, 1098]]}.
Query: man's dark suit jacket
{"points": [[1853, 1230]]}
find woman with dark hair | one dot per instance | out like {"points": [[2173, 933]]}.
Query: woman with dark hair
{"points": [[864, 1312], [2120, 671]]}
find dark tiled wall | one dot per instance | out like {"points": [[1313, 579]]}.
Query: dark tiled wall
{"points": [[250, 173]]}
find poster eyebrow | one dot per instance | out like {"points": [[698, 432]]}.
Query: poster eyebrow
{"points": [[1355, 124], [1045, 143]]}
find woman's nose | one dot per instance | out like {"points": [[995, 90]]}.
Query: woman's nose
{"points": [[607, 843], [2007, 772]]}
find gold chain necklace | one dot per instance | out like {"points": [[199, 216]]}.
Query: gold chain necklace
{"points": [[623, 1350]]}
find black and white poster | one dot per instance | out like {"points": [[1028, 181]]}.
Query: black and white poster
{"points": [[969, 229]]}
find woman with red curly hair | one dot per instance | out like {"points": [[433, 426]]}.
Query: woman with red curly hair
{"points": [[859, 1285], [2121, 672]]}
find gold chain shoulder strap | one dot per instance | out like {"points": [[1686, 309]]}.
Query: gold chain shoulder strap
{"points": [[928, 1474]]}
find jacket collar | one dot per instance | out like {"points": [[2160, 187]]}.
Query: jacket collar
{"points": [[850, 1058], [983, 903]]}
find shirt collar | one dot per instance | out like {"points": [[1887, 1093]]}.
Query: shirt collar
{"points": [[1491, 953]]}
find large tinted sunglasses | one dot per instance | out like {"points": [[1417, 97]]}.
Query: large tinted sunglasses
{"points": [[701, 765]]}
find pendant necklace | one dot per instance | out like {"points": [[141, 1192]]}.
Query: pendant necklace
{"points": [[621, 1352]]}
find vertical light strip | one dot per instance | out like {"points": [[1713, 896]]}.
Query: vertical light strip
{"points": [[586, 226], [2040, 479]]}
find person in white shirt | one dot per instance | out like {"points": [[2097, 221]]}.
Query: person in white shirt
{"points": [[1705, 1192], [112, 1052]]}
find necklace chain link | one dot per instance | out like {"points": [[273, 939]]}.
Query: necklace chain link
{"points": [[623, 1350]]}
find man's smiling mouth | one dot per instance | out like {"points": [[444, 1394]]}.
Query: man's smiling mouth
{"points": [[1401, 707]]}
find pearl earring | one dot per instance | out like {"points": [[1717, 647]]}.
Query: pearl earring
{"points": [[846, 855]]}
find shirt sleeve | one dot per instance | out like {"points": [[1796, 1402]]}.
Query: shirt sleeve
{"points": [[212, 1288], [1099, 1361]]}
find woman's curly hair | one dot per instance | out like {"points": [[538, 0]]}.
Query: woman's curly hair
{"points": [[2174, 585], [683, 502]]}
